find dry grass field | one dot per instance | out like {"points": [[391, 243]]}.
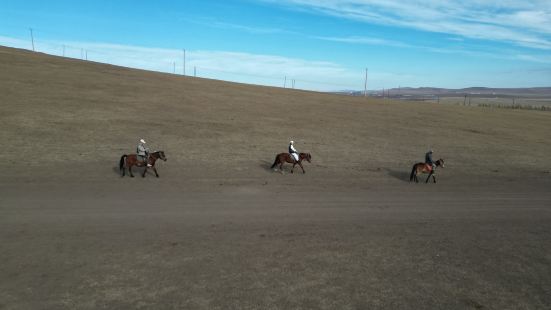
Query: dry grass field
{"points": [[220, 230]]}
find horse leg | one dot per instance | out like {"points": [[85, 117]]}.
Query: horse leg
{"points": [[155, 171], [281, 167], [293, 167], [130, 171], [428, 178], [144, 171], [434, 178], [301, 167]]}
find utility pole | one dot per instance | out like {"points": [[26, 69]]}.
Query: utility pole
{"points": [[81, 53], [285, 82], [365, 84], [32, 37], [86, 54], [63, 50], [174, 67], [184, 65], [194, 71]]}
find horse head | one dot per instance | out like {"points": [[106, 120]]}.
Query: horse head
{"points": [[308, 157], [440, 163], [161, 155]]}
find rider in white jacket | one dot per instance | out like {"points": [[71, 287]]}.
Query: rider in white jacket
{"points": [[143, 152], [293, 151]]}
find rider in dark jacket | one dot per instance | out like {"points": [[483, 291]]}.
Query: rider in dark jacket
{"points": [[428, 159]]}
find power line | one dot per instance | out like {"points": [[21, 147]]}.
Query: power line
{"points": [[124, 56]]}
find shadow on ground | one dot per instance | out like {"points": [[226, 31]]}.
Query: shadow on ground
{"points": [[266, 165], [401, 175], [137, 171]]}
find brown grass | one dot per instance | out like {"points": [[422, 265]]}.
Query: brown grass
{"points": [[59, 111]]}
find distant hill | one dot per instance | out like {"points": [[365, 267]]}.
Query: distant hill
{"points": [[533, 92]]}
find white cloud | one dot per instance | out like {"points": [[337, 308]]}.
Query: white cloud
{"points": [[365, 40], [466, 50], [258, 69], [523, 23], [214, 23]]}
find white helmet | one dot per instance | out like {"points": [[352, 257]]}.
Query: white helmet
{"points": [[142, 140], [292, 142]]}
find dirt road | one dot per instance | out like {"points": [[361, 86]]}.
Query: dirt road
{"points": [[125, 246]]}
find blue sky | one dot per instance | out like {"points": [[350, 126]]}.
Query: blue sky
{"points": [[322, 45]]}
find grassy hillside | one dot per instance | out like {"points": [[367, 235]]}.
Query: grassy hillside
{"points": [[62, 114]]}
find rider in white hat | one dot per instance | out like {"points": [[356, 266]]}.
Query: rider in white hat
{"points": [[143, 152], [293, 151]]}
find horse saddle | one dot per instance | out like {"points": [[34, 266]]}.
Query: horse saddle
{"points": [[428, 167], [142, 159], [295, 156]]}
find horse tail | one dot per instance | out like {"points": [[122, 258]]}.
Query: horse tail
{"points": [[412, 172], [275, 162], [121, 162]]}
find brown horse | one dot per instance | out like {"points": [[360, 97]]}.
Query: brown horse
{"points": [[282, 158], [127, 161], [425, 168]]}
